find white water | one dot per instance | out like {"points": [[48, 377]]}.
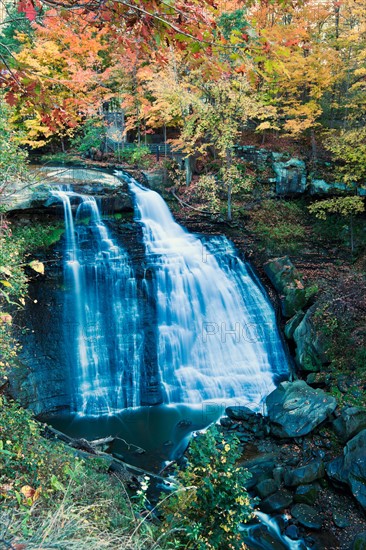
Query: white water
{"points": [[217, 333], [254, 540], [103, 339]]}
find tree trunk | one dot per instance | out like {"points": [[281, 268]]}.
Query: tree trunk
{"points": [[229, 161], [229, 194], [188, 169], [352, 234], [314, 149], [165, 143]]}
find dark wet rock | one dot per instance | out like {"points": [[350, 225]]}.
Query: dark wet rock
{"points": [[318, 379], [293, 323], [350, 422], [311, 344], [260, 538], [288, 283], [226, 422], [292, 532], [241, 413], [278, 473], [306, 494], [267, 487], [359, 542], [340, 520], [276, 502], [350, 468], [295, 409], [307, 516], [305, 474], [261, 468]]}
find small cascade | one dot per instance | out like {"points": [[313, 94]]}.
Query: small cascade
{"points": [[103, 337], [217, 333], [266, 535]]}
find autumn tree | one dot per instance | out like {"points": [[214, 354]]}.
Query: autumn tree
{"points": [[346, 207], [14, 174]]}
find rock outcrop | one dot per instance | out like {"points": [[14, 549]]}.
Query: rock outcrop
{"points": [[295, 409], [288, 283], [350, 468], [311, 344]]}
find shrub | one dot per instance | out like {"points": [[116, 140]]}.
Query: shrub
{"points": [[136, 155], [207, 510]]}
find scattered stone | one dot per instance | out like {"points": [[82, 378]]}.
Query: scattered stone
{"points": [[351, 467], [307, 516], [288, 283], [306, 494], [295, 409], [305, 474], [261, 468], [350, 422], [276, 502], [241, 413], [340, 520], [267, 487], [226, 422]]}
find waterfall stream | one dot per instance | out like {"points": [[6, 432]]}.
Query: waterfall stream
{"points": [[217, 333], [101, 314], [215, 337]]}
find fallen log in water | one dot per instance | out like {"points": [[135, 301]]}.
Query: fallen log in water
{"points": [[88, 449]]}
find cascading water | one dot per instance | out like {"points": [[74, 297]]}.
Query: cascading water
{"points": [[217, 333], [101, 314]]}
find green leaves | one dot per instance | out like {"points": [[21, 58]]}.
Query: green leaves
{"points": [[345, 206], [215, 501]]}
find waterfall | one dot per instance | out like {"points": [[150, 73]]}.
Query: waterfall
{"points": [[217, 332], [103, 337]]}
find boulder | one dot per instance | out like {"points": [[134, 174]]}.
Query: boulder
{"points": [[305, 474], [306, 494], [287, 282], [267, 487], [351, 467], [276, 502], [311, 344], [155, 179], [295, 409], [350, 422], [307, 516], [290, 175]]}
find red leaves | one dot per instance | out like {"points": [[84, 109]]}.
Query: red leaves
{"points": [[27, 7], [10, 99]]}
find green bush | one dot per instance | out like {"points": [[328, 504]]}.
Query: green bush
{"points": [[212, 501], [92, 135], [136, 155]]}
